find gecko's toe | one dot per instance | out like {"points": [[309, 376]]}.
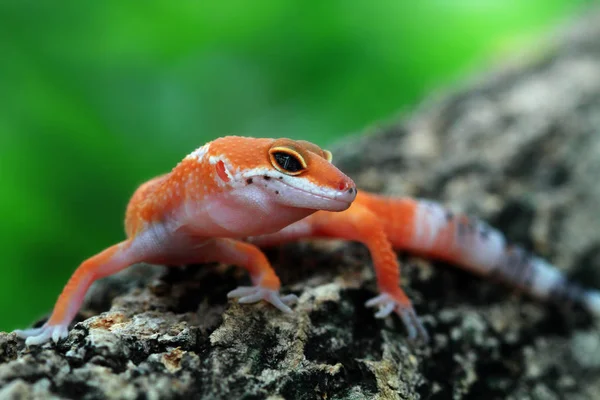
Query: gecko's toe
{"points": [[290, 299], [282, 302], [413, 324], [24, 334], [387, 304], [241, 291], [37, 336], [251, 298], [59, 332], [254, 294]]}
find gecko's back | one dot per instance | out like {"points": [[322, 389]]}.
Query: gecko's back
{"points": [[138, 204]]}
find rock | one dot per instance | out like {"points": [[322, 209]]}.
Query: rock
{"points": [[519, 147]]}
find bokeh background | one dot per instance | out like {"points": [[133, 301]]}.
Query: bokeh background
{"points": [[96, 97]]}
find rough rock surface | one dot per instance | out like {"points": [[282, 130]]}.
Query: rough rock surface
{"points": [[520, 147]]}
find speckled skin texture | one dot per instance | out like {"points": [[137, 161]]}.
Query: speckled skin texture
{"points": [[519, 148], [216, 169]]}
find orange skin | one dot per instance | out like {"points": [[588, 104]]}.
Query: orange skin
{"points": [[271, 191]]}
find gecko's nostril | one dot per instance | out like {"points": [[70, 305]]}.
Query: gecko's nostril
{"points": [[347, 187]]}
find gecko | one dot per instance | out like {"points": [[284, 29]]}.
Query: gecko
{"points": [[228, 189], [236, 194]]}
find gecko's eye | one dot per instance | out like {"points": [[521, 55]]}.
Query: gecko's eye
{"points": [[328, 155], [287, 160]]}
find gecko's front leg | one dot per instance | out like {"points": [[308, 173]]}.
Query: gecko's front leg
{"points": [[265, 282], [105, 263]]}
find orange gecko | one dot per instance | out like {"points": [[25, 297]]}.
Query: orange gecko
{"points": [[235, 193]]}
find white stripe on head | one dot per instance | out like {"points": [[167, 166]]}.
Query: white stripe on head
{"points": [[293, 180], [199, 153]]}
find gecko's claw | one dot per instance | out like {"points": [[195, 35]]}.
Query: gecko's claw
{"points": [[37, 336], [406, 312], [253, 294]]}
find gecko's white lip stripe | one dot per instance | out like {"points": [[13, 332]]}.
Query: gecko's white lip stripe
{"points": [[321, 196], [323, 192]]}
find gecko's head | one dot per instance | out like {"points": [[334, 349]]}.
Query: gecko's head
{"points": [[304, 174], [293, 173]]}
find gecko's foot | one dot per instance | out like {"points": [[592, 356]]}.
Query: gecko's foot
{"points": [[41, 335], [254, 294], [387, 304]]}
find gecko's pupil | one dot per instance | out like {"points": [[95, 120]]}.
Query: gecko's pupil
{"points": [[288, 162]]}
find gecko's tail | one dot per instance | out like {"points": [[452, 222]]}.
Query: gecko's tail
{"points": [[543, 280], [428, 229], [591, 301]]}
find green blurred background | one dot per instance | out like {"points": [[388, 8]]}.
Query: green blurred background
{"points": [[96, 97]]}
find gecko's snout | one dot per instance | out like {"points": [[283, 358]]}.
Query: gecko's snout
{"points": [[346, 185], [347, 190]]}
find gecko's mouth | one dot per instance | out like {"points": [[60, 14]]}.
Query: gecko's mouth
{"points": [[316, 200], [320, 196]]}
